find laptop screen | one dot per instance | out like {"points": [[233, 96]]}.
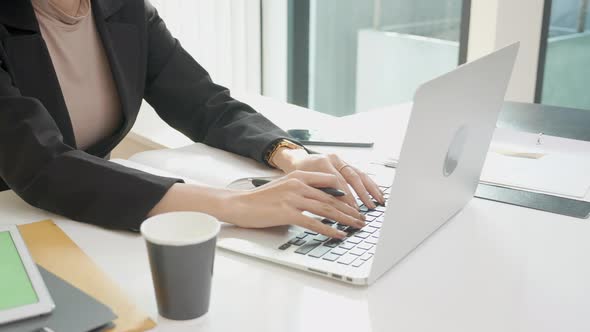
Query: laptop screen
{"points": [[16, 289]]}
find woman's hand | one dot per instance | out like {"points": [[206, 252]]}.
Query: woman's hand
{"points": [[290, 160], [283, 202]]}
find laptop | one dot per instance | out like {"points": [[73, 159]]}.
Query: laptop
{"points": [[449, 133]]}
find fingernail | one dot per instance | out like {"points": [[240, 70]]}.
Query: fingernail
{"points": [[342, 234]]}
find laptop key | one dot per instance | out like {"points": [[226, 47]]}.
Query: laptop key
{"points": [[354, 240], [375, 213], [333, 243], [351, 230], [358, 263], [380, 208], [311, 232], [284, 246], [346, 245], [369, 229], [339, 251], [309, 246], [301, 236], [341, 227], [319, 251], [347, 259], [320, 238], [357, 251], [331, 257], [362, 235], [299, 242], [366, 256], [369, 218], [364, 246], [372, 240], [328, 222]]}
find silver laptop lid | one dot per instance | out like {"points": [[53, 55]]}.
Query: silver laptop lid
{"points": [[447, 139]]}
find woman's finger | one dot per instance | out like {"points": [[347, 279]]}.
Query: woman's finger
{"points": [[317, 226], [371, 186], [355, 181], [328, 178], [320, 196], [316, 179], [327, 211], [343, 185]]}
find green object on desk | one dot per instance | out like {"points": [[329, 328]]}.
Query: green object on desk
{"points": [[75, 311], [16, 289]]}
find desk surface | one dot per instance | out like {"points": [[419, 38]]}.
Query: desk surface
{"points": [[494, 267]]}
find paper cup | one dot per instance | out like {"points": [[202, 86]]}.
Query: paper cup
{"points": [[181, 251]]}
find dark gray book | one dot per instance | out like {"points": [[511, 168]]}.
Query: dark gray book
{"points": [[75, 311]]}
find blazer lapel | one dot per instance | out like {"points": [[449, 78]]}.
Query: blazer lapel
{"points": [[31, 66], [35, 75], [122, 47]]}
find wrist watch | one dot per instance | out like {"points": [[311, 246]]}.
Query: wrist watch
{"points": [[283, 143]]}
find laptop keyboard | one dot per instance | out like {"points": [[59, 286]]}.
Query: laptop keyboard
{"points": [[357, 248]]}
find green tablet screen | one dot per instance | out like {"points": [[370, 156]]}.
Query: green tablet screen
{"points": [[15, 286]]}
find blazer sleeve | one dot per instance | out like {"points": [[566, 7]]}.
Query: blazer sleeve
{"points": [[48, 174], [183, 95]]}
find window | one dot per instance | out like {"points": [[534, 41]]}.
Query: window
{"points": [[564, 76], [349, 56]]}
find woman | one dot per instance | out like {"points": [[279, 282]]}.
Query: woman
{"points": [[73, 74]]}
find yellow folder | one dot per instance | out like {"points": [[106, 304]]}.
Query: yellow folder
{"points": [[56, 252]]}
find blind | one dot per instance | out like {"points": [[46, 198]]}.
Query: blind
{"points": [[222, 35]]}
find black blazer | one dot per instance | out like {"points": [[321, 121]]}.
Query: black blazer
{"points": [[38, 155]]}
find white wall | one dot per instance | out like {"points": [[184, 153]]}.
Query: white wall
{"points": [[497, 23], [222, 35], [275, 49]]}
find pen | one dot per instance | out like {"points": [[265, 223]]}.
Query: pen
{"points": [[330, 191]]}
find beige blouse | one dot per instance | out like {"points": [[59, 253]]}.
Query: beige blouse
{"points": [[82, 69]]}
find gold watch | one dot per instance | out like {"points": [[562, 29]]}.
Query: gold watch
{"points": [[280, 144]]}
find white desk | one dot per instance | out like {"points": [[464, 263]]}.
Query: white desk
{"points": [[494, 267]]}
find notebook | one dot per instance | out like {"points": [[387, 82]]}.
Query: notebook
{"points": [[51, 248], [75, 311]]}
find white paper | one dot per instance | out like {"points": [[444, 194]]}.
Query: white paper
{"points": [[153, 170], [536, 162], [204, 164], [554, 173], [553, 165]]}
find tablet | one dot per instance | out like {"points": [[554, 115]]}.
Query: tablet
{"points": [[22, 291]]}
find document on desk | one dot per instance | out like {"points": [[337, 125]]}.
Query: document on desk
{"points": [[203, 164], [536, 162], [555, 173], [547, 164]]}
